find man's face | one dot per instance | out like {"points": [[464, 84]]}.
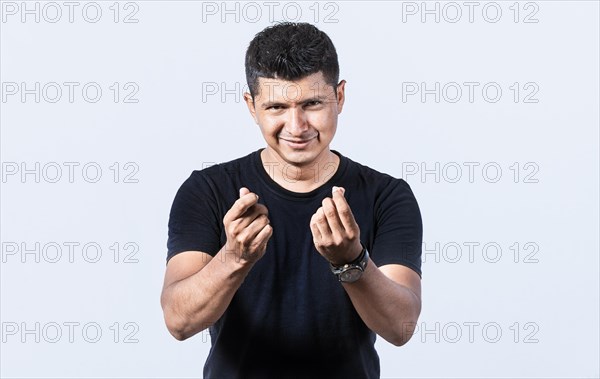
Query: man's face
{"points": [[297, 119]]}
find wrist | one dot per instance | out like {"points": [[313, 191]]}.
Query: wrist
{"points": [[353, 257], [351, 272], [234, 262]]}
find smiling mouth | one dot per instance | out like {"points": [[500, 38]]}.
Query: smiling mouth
{"points": [[298, 143], [298, 140]]}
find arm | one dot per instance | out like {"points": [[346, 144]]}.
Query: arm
{"points": [[197, 290], [388, 299], [197, 287]]}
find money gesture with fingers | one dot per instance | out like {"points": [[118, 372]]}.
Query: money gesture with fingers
{"points": [[247, 228], [336, 234]]}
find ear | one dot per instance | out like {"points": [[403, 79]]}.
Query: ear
{"points": [[250, 104], [341, 95]]}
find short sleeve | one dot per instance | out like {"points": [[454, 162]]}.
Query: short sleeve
{"points": [[194, 224], [399, 228]]}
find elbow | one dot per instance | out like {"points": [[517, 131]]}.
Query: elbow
{"points": [[180, 326], [176, 326], [179, 336], [179, 323], [403, 333], [404, 329], [399, 340], [178, 333]]}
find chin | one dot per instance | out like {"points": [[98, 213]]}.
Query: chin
{"points": [[298, 157]]}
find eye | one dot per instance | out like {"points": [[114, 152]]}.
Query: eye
{"points": [[275, 107], [313, 103]]}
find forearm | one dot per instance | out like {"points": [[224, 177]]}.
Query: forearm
{"points": [[389, 309], [196, 302]]}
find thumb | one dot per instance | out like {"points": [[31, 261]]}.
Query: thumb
{"points": [[335, 189], [244, 191]]}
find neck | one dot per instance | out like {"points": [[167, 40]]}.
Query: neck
{"points": [[300, 177]]}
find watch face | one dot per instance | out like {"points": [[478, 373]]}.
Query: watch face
{"points": [[350, 275]]}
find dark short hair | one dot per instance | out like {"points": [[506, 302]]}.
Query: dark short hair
{"points": [[290, 51]]}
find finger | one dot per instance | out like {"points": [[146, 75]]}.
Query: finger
{"points": [[250, 215], [264, 235], [262, 239], [343, 209], [244, 191], [255, 227], [256, 247], [241, 205], [334, 189], [333, 220], [323, 225], [315, 229]]}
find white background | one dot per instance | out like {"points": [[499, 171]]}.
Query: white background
{"points": [[510, 271]]}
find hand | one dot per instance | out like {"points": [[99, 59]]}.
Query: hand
{"points": [[336, 234], [247, 228]]}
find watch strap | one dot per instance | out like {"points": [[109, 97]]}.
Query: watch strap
{"points": [[359, 263]]}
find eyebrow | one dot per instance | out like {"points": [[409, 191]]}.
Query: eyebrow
{"points": [[279, 103]]}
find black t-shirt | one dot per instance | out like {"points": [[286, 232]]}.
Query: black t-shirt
{"points": [[291, 317]]}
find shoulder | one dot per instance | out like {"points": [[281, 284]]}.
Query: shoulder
{"points": [[210, 180], [227, 168], [216, 173], [376, 179]]}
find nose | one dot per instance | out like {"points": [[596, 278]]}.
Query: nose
{"points": [[296, 123]]}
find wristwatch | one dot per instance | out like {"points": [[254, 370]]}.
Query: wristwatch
{"points": [[351, 272]]}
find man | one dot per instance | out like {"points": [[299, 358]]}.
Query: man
{"points": [[293, 256]]}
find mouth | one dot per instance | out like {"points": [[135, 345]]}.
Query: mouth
{"points": [[298, 143]]}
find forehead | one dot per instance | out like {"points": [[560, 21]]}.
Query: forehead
{"points": [[279, 90]]}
